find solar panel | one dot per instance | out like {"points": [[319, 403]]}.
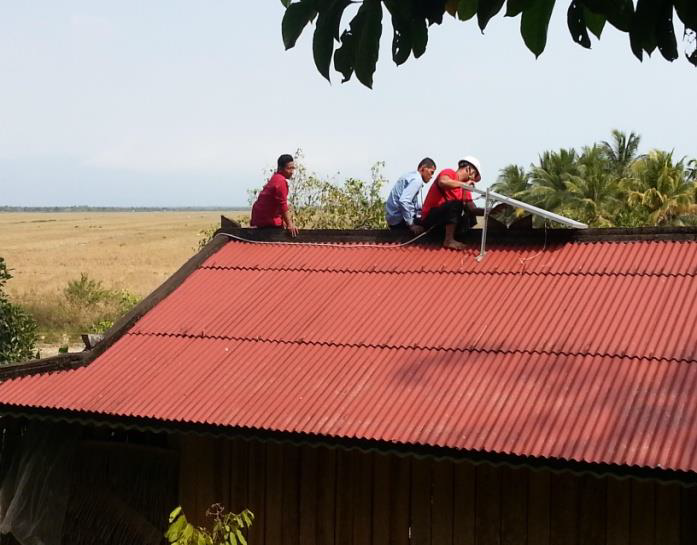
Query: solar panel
{"points": [[493, 197]]}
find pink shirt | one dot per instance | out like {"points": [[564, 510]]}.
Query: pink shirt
{"points": [[271, 203]]}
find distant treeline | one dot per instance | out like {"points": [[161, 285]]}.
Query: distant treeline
{"points": [[82, 208]]}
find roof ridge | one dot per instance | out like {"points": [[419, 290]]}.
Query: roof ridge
{"points": [[412, 347], [385, 237], [447, 271]]}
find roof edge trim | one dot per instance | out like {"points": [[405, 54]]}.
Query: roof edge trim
{"points": [[65, 362], [558, 465], [387, 237]]}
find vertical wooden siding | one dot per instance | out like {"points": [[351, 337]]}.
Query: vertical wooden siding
{"points": [[321, 496]]}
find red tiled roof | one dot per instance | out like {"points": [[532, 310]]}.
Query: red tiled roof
{"points": [[580, 351]]}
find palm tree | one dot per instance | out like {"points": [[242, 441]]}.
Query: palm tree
{"points": [[692, 170], [594, 194], [660, 191], [512, 181], [547, 187], [622, 152]]}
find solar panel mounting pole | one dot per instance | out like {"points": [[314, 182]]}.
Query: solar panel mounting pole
{"points": [[487, 205]]}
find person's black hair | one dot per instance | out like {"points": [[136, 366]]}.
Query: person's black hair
{"points": [[426, 162], [283, 160], [462, 164]]}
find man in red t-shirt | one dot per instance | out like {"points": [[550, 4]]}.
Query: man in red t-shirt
{"points": [[271, 207], [449, 203]]}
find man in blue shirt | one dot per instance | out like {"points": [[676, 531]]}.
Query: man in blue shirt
{"points": [[403, 207]]}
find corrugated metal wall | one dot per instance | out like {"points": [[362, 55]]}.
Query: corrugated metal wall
{"points": [[321, 496]]}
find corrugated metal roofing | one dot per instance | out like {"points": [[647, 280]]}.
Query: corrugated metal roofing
{"points": [[586, 351]]}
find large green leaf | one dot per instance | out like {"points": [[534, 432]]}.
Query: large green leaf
{"points": [[619, 13], [285, 3], [577, 24], [486, 9], [419, 32], [174, 514], [594, 21], [401, 27], [534, 24], [343, 57], [687, 12], [692, 57], [326, 31], [665, 32], [516, 7], [176, 528], [643, 30], [295, 19], [401, 40], [431, 10], [466, 9], [367, 40]]}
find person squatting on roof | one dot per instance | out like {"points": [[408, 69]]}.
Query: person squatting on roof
{"points": [[449, 203], [402, 208], [271, 207]]}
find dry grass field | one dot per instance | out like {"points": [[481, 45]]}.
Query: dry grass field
{"points": [[125, 251]]}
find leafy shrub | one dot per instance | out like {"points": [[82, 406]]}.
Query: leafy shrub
{"points": [[93, 307], [226, 528], [17, 328], [85, 291], [320, 203], [205, 236]]}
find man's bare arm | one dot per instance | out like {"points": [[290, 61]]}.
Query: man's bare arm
{"points": [[446, 182], [288, 222]]}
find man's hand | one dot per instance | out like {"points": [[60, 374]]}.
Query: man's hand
{"points": [[416, 229], [288, 223]]}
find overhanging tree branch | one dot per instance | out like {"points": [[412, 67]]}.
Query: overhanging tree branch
{"points": [[650, 26]]}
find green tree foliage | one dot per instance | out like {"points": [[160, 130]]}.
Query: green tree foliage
{"points": [[692, 170], [548, 179], [320, 203], [513, 180], [591, 193], [609, 185], [622, 151], [660, 192], [94, 308], [649, 24], [226, 528], [17, 328]]}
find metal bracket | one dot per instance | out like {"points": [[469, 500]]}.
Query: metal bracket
{"points": [[487, 209]]}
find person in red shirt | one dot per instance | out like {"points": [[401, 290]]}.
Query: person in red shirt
{"points": [[271, 207], [449, 203]]}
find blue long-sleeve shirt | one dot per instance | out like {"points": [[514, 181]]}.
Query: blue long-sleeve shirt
{"points": [[402, 202]]}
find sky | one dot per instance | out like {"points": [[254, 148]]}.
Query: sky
{"points": [[182, 103]]}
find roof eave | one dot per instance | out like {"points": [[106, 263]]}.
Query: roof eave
{"points": [[559, 465]]}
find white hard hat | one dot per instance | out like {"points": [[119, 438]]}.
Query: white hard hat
{"points": [[475, 163]]}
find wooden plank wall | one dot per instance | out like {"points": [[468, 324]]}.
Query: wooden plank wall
{"points": [[321, 496]]}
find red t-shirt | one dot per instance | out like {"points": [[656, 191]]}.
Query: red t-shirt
{"points": [[271, 203], [438, 195]]}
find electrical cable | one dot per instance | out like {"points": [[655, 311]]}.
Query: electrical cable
{"points": [[523, 260], [326, 244]]}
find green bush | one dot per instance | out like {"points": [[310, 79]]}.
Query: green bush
{"points": [[226, 528], [321, 203], [93, 307], [85, 291], [83, 306], [17, 328]]}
